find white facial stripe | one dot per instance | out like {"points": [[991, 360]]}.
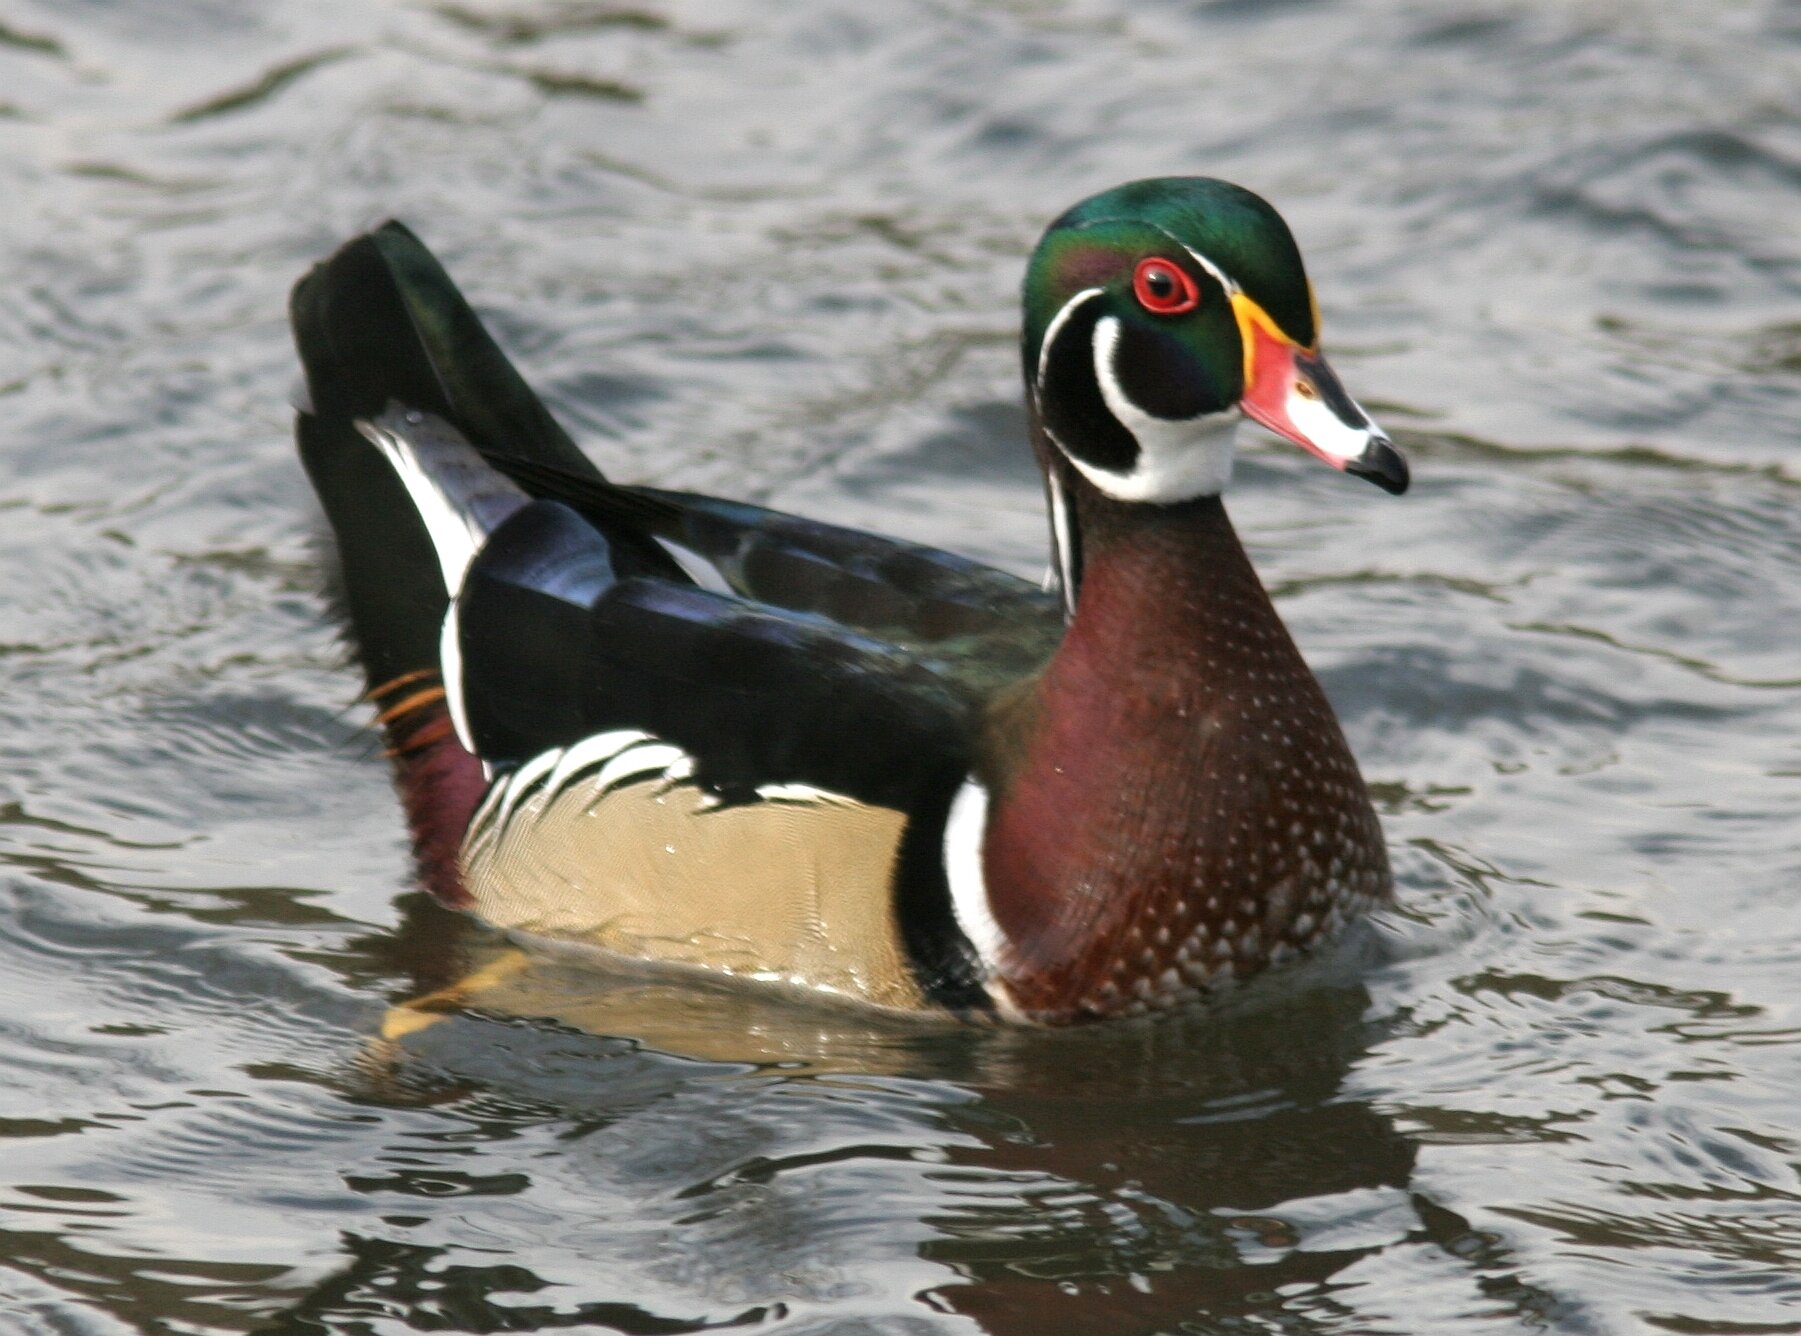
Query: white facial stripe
{"points": [[1177, 460], [1219, 275], [1330, 434], [1057, 322]]}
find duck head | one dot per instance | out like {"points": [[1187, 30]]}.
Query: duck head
{"points": [[1159, 313]]}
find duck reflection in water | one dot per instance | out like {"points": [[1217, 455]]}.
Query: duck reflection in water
{"points": [[1184, 1168]]}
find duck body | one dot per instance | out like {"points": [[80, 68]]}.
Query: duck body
{"points": [[702, 734]]}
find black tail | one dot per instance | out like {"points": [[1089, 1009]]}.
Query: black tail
{"points": [[379, 324]]}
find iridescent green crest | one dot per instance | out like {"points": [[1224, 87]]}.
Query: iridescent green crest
{"points": [[1096, 243]]}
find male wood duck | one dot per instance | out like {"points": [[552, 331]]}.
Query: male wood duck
{"points": [[703, 734]]}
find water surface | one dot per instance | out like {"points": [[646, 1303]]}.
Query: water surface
{"points": [[773, 250]]}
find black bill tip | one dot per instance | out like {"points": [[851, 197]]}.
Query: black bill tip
{"points": [[1382, 464]]}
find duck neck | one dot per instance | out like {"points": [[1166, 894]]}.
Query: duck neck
{"points": [[1167, 797]]}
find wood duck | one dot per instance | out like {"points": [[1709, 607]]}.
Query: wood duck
{"points": [[702, 734]]}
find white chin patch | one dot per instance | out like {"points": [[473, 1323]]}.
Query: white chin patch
{"points": [[1177, 460]]}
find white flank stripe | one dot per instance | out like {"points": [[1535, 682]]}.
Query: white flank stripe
{"points": [[484, 811], [592, 751], [621, 753], [641, 758], [964, 830], [801, 793], [524, 778], [454, 533]]}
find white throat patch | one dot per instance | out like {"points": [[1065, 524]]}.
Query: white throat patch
{"points": [[1178, 460]]}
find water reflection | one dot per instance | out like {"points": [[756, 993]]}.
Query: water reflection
{"points": [[772, 1156]]}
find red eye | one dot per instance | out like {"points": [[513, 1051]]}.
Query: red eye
{"points": [[1163, 289]]}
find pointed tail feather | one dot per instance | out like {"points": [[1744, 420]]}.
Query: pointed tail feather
{"points": [[381, 322], [406, 393], [380, 325]]}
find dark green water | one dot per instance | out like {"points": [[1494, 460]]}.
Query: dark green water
{"points": [[771, 249]]}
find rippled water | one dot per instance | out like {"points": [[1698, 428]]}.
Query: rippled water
{"points": [[772, 249]]}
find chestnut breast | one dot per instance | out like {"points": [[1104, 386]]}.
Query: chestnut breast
{"points": [[1174, 802]]}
